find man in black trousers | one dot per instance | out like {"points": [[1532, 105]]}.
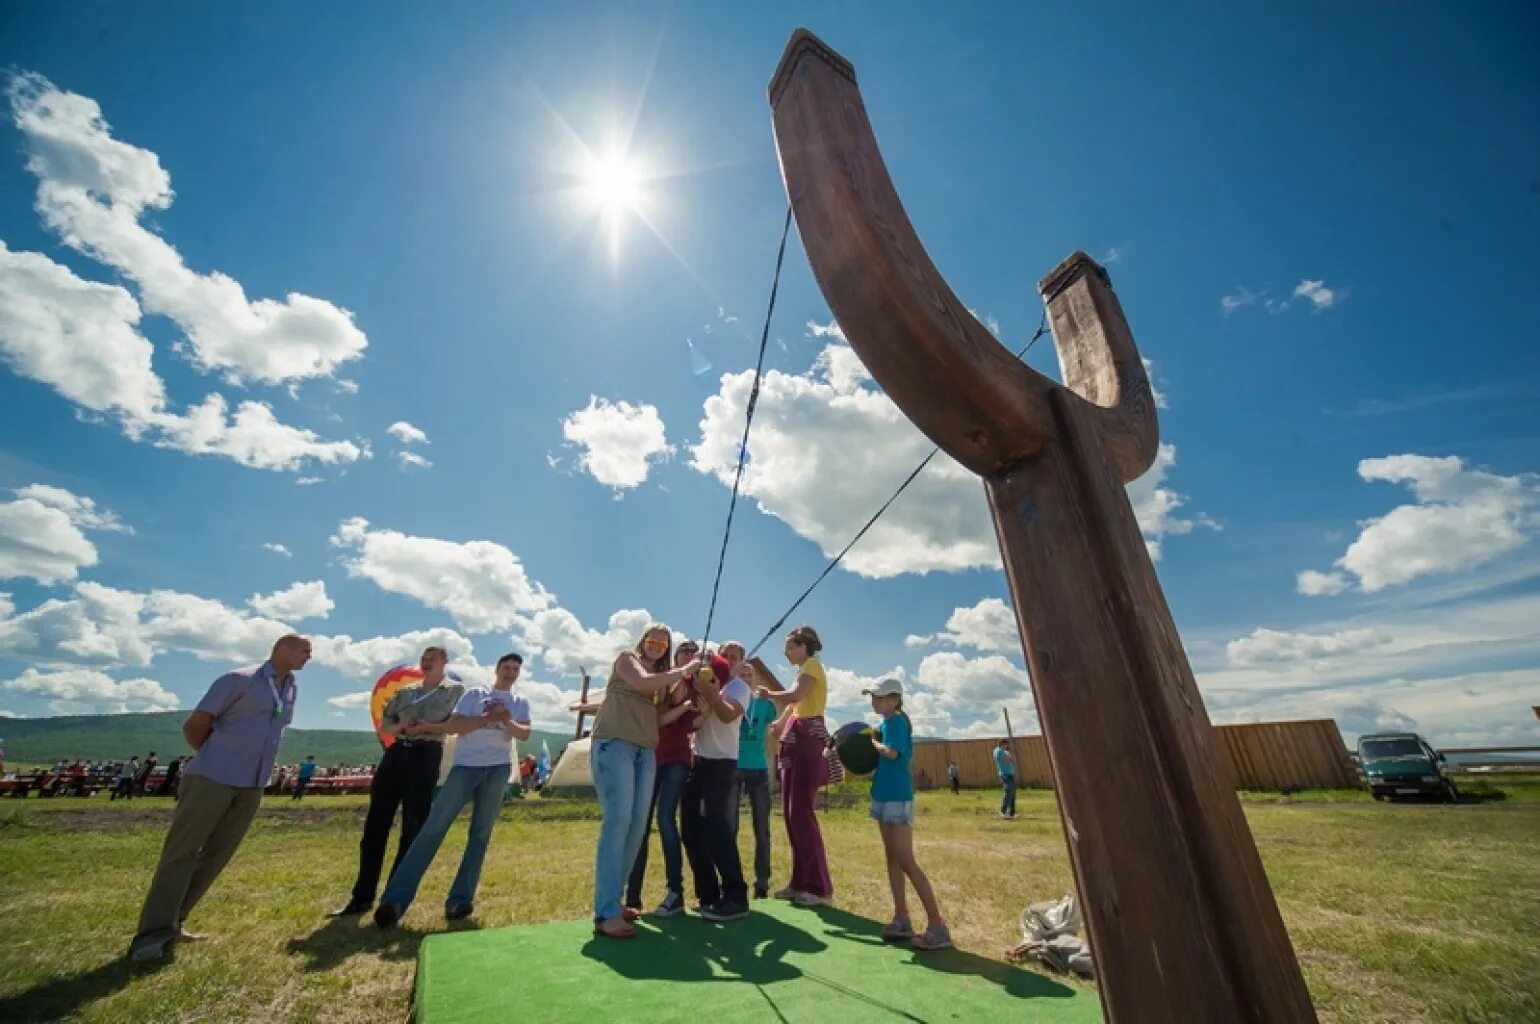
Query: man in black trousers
{"points": [[405, 776]]}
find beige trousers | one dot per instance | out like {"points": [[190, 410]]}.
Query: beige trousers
{"points": [[210, 821]]}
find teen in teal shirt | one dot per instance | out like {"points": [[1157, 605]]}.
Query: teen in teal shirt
{"points": [[893, 810], [753, 769]]}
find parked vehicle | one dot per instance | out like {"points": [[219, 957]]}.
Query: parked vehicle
{"points": [[1399, 764]]}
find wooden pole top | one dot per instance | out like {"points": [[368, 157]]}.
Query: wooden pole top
{"points": [[944, 369]]}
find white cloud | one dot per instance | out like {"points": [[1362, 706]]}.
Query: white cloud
{"points": [[80, 338], [1319, 584], [618, 441], [831, 329], [42, 533], [1317, 293], [828, 427], [308, 481], [97, 626], [975, 683], [406, 433], [252, 437], [278, 549], [299, 602], [1462, 518], [481, 584], [93, 191], [1238, 299], [367, 658], [356, 701], [412, 459], [82, 512], [1281, 650], [989, 626], [84, 691], [567, 647]]}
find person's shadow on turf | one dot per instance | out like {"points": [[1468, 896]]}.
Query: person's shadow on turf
{"points": [[685, 948], [1019, 983]]}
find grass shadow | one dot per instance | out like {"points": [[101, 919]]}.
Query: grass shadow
{"points": [[61, 998], [686, 948], [342, 938], [1018, 983]]}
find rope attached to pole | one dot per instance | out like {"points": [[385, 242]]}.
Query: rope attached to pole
{"points": [[1042, 329], [748, 421]]}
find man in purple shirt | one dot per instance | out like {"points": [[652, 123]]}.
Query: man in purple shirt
{"points": [[235, 731]]}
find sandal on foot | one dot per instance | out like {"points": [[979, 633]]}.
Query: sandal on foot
{"points": [[898, 930], [615, 928], [936, 936]]}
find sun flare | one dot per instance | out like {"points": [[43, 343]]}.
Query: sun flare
{"points": [[613, 184]]}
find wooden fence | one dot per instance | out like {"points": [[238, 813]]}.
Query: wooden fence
{"points": [[1266, 756]]}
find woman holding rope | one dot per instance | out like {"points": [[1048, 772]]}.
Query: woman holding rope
{"points": [[625, 737], [803, 765]]}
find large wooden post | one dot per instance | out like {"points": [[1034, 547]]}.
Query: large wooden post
{"points": [[1182, 922]]}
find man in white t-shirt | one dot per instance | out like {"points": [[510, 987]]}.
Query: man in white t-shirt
{"points": [[705, 816], [486, 722]]}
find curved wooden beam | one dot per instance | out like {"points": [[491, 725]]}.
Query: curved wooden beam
{"points": [[971, 396], [1182, 922]]}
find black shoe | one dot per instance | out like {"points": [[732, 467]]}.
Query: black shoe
{"points": [[761, 892], [725, 910], [353, 909], [459, 911], [386, 915]]}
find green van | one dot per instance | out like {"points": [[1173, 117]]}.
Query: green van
{"points": [[1404, 764]]}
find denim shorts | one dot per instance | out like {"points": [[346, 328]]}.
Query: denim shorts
{"points": [[893, 812]]}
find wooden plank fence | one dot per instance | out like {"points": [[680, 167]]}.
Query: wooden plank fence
{"points": [[1264, 756]]}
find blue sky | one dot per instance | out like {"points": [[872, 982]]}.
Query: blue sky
{"points": [[1324, 225]]}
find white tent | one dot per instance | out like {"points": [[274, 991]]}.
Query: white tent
{"points": [[572, 771]]}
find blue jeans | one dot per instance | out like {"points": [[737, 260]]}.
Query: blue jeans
{"points": [[666, 792], [623, 774], [482, 788], [1008, 794]]}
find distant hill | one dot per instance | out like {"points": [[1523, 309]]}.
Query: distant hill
{"points": [[115, 737]]}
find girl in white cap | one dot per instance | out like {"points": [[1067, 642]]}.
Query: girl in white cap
{"points": [[893, 809]]}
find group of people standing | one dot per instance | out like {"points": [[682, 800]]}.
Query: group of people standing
{"points": [[680, 738], [684, 731]]}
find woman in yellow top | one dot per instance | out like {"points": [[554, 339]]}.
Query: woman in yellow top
{"points": [[804, 739], [622, 759]]}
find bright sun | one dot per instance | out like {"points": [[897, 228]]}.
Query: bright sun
{"points": [[613, 184]]}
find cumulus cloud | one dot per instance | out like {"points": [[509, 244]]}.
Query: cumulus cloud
{"points": [[94, 191], [1317, 294], [1281, 650], [81, 339], [42, 533], [481, 584], [278, 549], [78, 337], [367, 658], [406, 433], [989, 626], [411, 460], [86, 691], [1461, 518], [295, 604], [566, 646], [828, 426], [617, 442]]}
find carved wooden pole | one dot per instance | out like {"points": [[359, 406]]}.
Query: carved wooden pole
{"points": [[1182, 922]]}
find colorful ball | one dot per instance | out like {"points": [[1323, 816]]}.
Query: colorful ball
{"points": [[853, 743]]}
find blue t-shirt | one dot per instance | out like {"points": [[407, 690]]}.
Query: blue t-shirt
{"points": [[1003, 766], [751, 735], [306, 770], [892, 782]]}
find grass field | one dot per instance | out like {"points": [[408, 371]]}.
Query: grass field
{"points": [[1400, 913]]}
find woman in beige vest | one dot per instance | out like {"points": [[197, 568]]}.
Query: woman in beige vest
{"points": [[625, 736]]}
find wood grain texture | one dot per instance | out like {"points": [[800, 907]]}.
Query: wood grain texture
{"points": [[1181, 919]]}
